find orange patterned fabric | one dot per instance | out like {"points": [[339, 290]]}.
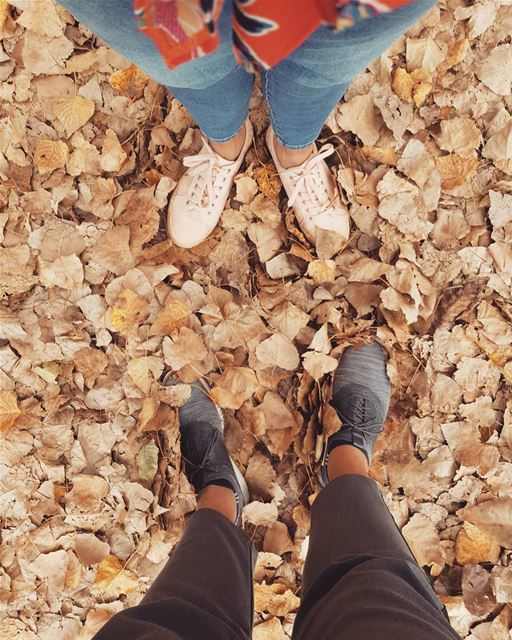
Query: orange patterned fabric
{"points": [[264, 31]]}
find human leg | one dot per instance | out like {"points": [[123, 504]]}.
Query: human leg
{"points": [[215, 88], [360, 578], [303, 89], [205, 589]]}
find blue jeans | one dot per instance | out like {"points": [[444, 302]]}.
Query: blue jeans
{"points": [[300, 91]]}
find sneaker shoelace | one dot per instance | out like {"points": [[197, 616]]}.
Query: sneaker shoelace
{"points": [[310, 181], [209, 170], [360, 421], [195, 468]]}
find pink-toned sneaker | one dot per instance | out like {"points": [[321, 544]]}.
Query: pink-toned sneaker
{"points": [[312, 192], [200, 195]]}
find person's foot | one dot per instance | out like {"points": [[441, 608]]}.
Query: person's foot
{"points": [[361, 394], [207, 462], [312, 192], [201, 194]]}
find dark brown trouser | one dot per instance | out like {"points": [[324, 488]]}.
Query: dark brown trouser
{"points": [[360, 580]]}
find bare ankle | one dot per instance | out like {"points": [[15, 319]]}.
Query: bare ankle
{"points": [[292, 157], [220, 499], [231, 149], [346, 460]]}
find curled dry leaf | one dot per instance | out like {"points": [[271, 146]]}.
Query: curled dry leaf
{"points": [[322, 271], [493, 518], [128, 312], [147, 461], [90, 363], [277, 539], [74, 112], [143, 371], [9, 411], [412, 87]]}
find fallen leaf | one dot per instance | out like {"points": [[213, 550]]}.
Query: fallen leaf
{"points": [[318, 364], [147, 461], [50, 155], [129, 311], [274, 598], [129, 82], [112, 579], [278, 351], [144, 370], [322, 271], [455, 171], [234, 387], [269, 630], [89, 549], [472, 546], [112, 153], [9, 411], [173, 316], [74, 112]]}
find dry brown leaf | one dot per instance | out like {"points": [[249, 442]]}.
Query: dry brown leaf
{"points": [[66, 272], [90, 363], [112, 251], [322, 271], [274, 598], [144, 370], [493, 518], [381, 155], [455, 171], [260, 513], [50, 155], [112, 153], [278, 351], [234, 387], [89, 549], [173, 316], [74, 112], [456, 53], [9, 411], [112, 579], [472, 546], [185, 348], [460, 136], [318, 364], [129, 311], [129, 82], [269, 630], [277, 539], [412, 87], [495, 69]]}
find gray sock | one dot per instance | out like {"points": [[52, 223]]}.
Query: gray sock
{"points": [[365, 366]]}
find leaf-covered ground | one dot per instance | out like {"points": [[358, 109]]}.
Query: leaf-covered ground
{"points": [[97, 303]]}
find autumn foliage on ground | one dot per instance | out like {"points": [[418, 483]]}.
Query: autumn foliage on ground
{"points": [[97, 304]]}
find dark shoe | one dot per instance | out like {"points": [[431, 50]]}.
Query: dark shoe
{"points": [[360, 395], [203, 450]]}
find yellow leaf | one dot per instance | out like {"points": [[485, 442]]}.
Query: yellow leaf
{"points": [[9, 411], [380, 154], [4, 12], [173, 316], [472, 546], [74, 112], [412, 87], [454, 170], [129, 82], [130, 310], [50, 155], [322, 271], [112, 580]]}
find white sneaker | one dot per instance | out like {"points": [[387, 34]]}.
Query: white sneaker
{"points": [[312, 192], [200, 195]]}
